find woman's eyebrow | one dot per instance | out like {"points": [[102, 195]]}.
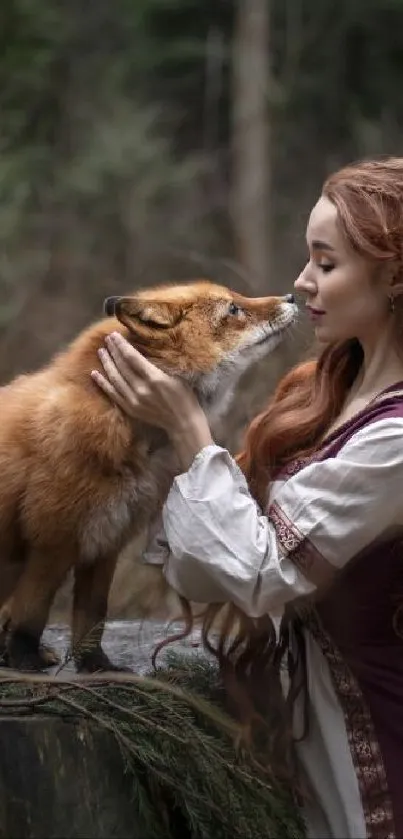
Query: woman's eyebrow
{"points": [[318, 245]]}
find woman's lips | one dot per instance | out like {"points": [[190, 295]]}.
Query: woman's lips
{"points": [[315, 313]]}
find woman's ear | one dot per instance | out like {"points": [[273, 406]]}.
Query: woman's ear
{"points": [[396, 288], [393, 278]]}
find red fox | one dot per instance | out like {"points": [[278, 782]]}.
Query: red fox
{"points": [[79, 479]]}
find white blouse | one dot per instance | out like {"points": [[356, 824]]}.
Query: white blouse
{"points": [[217, 545]]}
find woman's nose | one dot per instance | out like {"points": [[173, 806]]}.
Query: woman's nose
{"points": [[305, 283]]}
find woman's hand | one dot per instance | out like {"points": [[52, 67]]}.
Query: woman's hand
{"points": [[148, 394]]}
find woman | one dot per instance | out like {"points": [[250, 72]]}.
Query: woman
{"points": [[315, 511]]}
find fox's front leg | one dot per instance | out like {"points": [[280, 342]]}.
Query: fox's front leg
{"points": [[90, 605], [10, 573], [48, 657], [25, 614]]}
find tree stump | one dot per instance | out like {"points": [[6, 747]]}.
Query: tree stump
{"points": [[64, 778]]}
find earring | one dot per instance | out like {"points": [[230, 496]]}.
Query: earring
{"points": [[392, 303]]}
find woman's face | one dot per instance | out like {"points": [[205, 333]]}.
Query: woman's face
{"points": [[342, 296]]}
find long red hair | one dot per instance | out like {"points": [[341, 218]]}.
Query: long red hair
{"points": [[369, 200]]}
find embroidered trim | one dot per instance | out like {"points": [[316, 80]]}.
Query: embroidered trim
{"points": [[300, 550], [364, 747], [391, 394], [294, 467]]}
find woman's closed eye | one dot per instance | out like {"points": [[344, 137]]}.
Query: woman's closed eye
{"points": [[326, 267]]}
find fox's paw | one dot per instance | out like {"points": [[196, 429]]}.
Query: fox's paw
{"points": [[24, 652], [96, 661]]}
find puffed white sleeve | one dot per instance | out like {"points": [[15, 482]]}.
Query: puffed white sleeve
{"points": [[216, 544]]}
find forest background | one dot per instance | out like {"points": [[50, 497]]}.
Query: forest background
{"points": [[144, 141]]}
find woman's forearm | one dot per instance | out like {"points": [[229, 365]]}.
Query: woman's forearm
{"points": [[218, 546]]}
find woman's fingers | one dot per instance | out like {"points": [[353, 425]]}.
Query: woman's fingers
{"points": [[134, 360], [105, 385], [118, 364], [125, 390]]}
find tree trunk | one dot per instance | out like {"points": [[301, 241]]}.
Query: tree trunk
{"points": [[251, 188]]}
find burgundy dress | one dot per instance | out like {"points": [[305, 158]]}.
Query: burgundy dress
{"points": [[359, 628]]}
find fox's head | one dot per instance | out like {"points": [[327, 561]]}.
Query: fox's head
{"points": [[202, 332]]}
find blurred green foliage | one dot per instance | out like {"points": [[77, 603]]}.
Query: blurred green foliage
{"points": [[115, 130]]}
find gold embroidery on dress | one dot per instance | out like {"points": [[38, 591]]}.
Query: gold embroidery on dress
{"points": [[300, 550]]}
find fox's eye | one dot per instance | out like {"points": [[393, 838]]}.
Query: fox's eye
{"points": [[233, 309]]}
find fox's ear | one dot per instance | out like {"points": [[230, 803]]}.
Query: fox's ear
{"points": [[155, 314]]}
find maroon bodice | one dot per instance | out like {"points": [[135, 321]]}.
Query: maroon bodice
{"points": [[362, 614]]}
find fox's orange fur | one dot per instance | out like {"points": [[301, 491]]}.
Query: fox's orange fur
{"points": [[79, 480]]}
